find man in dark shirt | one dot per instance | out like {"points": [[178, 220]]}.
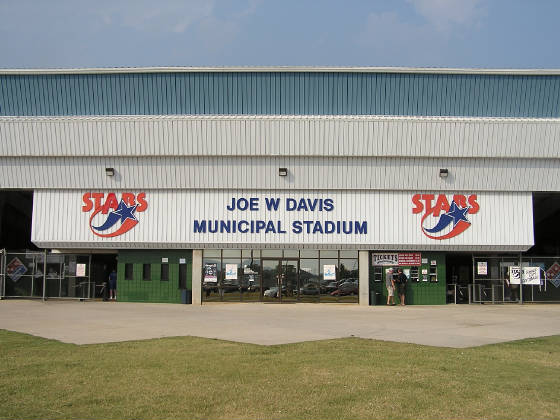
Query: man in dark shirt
{"points": [[401, 285], [113, 285]]}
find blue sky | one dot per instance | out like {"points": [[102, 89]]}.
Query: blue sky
{"points": [[416, 33]]}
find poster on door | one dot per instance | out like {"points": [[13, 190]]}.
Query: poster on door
{"points": [[231, 271], [329, 272], [80, 270], [210, 273], [482, 268]]}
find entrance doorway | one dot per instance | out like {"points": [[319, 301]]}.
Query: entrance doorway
{"points": [[279, 275], [280, 280]]}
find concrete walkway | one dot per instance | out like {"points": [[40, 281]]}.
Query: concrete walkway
{"points": [[447, 326]]}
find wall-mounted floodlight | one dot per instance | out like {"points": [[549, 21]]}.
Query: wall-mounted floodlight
{"points": [[110, 171], [283, 171], [443, 173]]}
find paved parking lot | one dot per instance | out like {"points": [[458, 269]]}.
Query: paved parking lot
{"points": [[267, 324]]}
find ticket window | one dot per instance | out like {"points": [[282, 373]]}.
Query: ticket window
{"points": [[412, 273]]}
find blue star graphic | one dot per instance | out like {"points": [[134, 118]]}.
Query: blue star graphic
{"points": [[457, 213], [125, 212]]}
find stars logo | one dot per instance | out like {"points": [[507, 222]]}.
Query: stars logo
{"points": [[121, 215], [451, 220]]}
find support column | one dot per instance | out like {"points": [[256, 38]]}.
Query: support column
{"points": [[196, 277], [363, 261]]}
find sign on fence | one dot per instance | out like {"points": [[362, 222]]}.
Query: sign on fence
{"points": [[531, 275]]}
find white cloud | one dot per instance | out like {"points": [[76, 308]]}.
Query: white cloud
{"points": [[161, 16], [210, 19], [251, 8], [392, 38], [390, 41], [444, 14]]}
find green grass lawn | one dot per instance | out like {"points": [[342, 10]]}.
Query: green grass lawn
{"points": [[195, 378]]}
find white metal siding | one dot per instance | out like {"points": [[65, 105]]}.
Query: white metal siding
{"points": [[503, 223], [278, 135], [313, 173]]}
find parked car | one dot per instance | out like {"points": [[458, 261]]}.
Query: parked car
{"points": [[349, 287], [273, 292], [330, 287], [309, 289]]}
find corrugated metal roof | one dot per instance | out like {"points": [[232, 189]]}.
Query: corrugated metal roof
{"points": [[289, 92], [282, 69]]}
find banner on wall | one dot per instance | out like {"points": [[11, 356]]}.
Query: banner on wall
{"points": [[397, 258], [385, 259], [352, 219], [410, 258]]}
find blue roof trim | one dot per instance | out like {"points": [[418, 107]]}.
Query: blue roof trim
{"points": [[280, 93]]}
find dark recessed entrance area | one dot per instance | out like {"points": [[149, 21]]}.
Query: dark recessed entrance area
{"points": [[16, 208], [459, 274], [546, 216]]}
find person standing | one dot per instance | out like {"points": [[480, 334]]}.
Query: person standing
{"points": [[401, 285], [390, 285], [113, 285]]}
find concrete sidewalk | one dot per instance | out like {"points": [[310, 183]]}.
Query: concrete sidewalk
{"points": [[447, 326]]}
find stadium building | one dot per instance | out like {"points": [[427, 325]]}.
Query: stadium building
{"points": [[280, 184]]}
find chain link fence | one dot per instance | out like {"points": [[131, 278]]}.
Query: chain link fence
{"points": [[515, 279], [34, 274], [2, 273]]}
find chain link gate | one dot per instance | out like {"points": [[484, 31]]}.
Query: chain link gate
{"points": [[515, 279], [35, 274], [2, 273]]}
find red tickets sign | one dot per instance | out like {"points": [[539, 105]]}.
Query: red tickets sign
{"points": [[410, 258]]}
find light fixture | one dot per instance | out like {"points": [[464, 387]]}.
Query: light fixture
{"points": [[444, 173], [283, 171], [110, 171]]}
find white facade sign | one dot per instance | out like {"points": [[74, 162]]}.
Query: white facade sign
{"points": [[354, 219], [398, 258], [385, 259]]}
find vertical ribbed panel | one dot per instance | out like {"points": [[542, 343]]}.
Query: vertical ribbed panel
{"points": [[504, 221], [281, 93], [312, 173], [280, 135]]}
